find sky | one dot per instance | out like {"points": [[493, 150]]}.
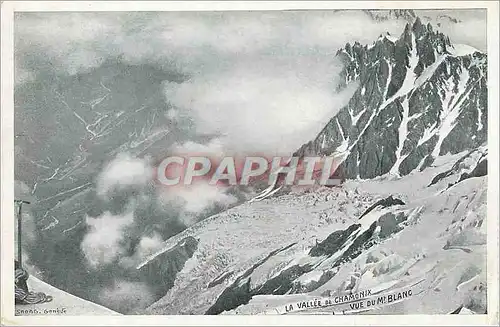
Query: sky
{"points": [[277, 68]]}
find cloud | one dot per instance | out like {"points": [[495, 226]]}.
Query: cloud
{"points": [[67, 42], [147, 245], [192, 200], [214, 147], [205, 41], [122, 172], [338, 28], [102, 244], [126, 296], [463, 26], [271, 106]]}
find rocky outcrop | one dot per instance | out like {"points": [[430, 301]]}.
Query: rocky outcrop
{"points": [[240, 291], [160, 272], [333, 242], [384, 203], [473, 164]]}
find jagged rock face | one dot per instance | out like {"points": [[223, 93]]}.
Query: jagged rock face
{"points": [[160, 273], [473, 164], [417, 99]]}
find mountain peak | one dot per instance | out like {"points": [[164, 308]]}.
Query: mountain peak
{"points": [[428, 42], [418, 26]]}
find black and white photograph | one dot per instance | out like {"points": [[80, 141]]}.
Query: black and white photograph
{"points": [[242, 162]]}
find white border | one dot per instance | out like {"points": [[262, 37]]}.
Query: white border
{"points": [[7, 165]]}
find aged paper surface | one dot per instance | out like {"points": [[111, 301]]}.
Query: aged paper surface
{"points": [[249, 163]]}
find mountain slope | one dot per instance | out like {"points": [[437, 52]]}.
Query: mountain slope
{"points": [[253, 257], [417, 99]]}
